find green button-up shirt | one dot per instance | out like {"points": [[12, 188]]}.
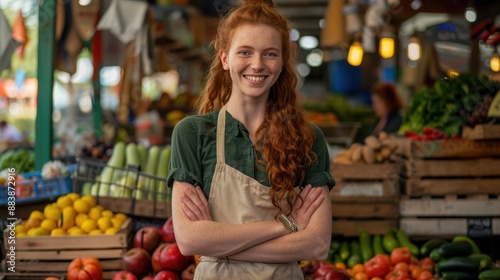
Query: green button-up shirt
{"points": [[194, 153]]}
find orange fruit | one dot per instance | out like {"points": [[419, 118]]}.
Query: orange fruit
{"points": [[358, 268]]}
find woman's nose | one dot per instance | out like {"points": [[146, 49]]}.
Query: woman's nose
{"points": [[257, 63]]}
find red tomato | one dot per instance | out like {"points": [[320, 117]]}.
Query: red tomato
{"points": [[87, 268], [402, 266], [425, 275], [398, 275], [427, 264], [377, 266], [401, 254], [415, 271]]}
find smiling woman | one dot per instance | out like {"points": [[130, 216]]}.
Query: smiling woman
{"points": [[250, 176]]}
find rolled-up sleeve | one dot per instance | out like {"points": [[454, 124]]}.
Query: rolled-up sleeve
{"points": [[184, 162], [319, 174]]}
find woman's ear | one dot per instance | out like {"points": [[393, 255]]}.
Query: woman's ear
{"points": [[223, 59]]}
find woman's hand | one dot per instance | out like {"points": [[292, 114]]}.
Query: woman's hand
{"points": [[195, 205], [304, 208]]}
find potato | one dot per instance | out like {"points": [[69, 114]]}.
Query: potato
{"points": [[383, 135], [368, 155], [378, 157], [372, 142], [357, 153], [385, 152], [342, 153], [342, 160]]}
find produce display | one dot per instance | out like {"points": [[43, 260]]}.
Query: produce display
{"points": [[451, 104], [155, 255], [71, 214], [22, 159], [394, 256], [133, 171], [375, 150]]}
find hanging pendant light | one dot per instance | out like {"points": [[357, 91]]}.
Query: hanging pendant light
{"points": [[414, 48], [386, 43], [495, 61], [355, 54]]}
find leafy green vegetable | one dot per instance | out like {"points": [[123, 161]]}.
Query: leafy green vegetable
{"points": [[451, 104]]}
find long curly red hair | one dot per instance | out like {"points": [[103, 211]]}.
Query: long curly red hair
{"points": [[284, 148]]}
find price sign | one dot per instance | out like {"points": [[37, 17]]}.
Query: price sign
{"points": [[494, 110], [479, 227]]}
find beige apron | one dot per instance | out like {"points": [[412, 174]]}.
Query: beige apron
{"points": [[236, 199]]}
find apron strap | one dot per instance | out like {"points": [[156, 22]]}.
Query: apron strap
{"points": [[221, 127]]}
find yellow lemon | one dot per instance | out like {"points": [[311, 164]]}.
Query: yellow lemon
{"points": [[22, 234], [89, 225], [81, 206], [80, 218], [73, 196], [121, 216], [64, 201], [67, 218], [90, 199], [39, 231], [100, 207], [96, 232], [21, 229], [37, 215], [32, 223], [48, 224], [107, 213], [117, 223], [95, 213], [77, 231], [71, 229], [30, 231], [53, 213], [58, 232], [104, 223], [111, 230]]}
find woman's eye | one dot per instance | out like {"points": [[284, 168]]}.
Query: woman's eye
{"points": [[271, 54], [244, 52]]}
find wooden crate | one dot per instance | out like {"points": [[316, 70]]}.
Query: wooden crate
{"points": [[482, 132], [52, 254], [365, 197], [141, 207], [450, 148]]}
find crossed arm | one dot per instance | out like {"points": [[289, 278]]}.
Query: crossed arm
{"points": [[266, 241]]}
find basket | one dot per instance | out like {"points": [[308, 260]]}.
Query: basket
{"points": [[130, 191], [33, 187]]}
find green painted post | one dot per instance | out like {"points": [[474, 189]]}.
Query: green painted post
{"points": [[98, 121], [45, 68]]}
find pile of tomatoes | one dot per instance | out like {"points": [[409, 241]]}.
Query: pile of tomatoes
{"points": [[399, 265]]}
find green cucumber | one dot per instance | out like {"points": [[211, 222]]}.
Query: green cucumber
{"points": [[355, 250], [430, 245], [457, 264], [143, 155], [483, 260], [389, 242], [490, 274], [378, 248], [455, 249], [163, 193], [365, 246], [354, 260], [475, 248], [132, 155], [435, 256], [459, 275], [404, 241], [335, 245], [117, 160], [344, 252]]}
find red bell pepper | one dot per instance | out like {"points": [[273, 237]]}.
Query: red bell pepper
{"points": [[378, 266], [401, 254]]}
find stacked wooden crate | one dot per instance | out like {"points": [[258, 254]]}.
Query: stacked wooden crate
{"points": [[51, 255], [453, 187], [366, 197]]}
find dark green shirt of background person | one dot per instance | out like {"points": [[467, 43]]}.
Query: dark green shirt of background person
{"points": [[387, 106]]}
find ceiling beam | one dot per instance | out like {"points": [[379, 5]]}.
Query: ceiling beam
{"points": [[300, 2], [303, 12]]}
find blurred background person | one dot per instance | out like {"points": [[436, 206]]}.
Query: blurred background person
{"points": [[386, 105], [9, 132]]}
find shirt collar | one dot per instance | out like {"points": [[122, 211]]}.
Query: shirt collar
{"points": [[234, 126]]}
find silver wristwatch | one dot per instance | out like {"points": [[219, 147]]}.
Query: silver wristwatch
{"points": [[289, 225]]}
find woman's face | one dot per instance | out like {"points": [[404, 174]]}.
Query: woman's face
{"points": [[379, 106], [254, 60]]}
